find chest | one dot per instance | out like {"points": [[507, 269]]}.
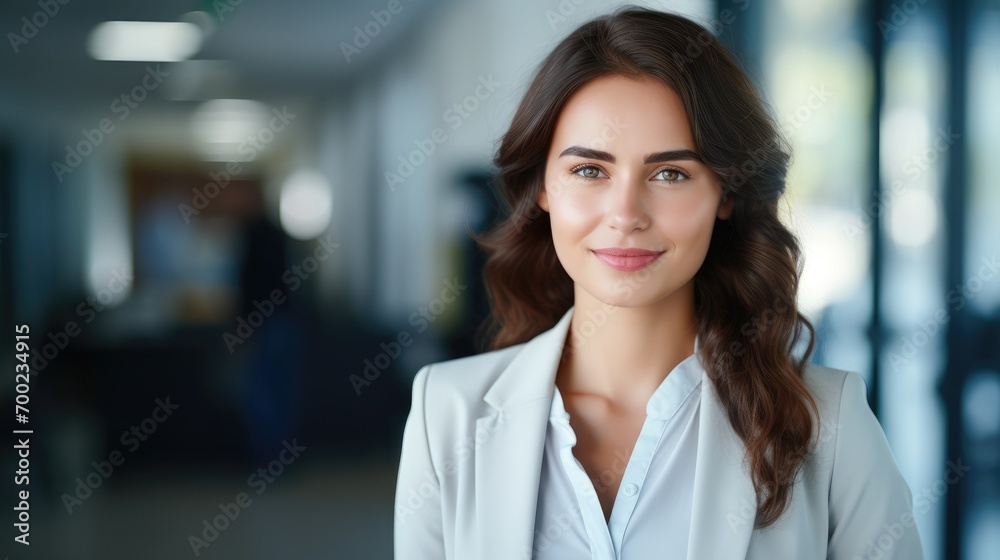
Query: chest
{"points": [[605, 440]]}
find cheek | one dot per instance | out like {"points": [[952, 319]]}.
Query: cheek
{"points": [[572, 222], [567, 231], [570, 210], [688, 219]]}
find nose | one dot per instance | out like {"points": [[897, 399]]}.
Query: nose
{"points": [[627, 207]]}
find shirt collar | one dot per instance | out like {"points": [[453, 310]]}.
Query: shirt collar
{"points": [[675, 388], [668, 396]]}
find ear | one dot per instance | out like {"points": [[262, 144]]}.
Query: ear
{"points": [[543, 200], [725, 207]]}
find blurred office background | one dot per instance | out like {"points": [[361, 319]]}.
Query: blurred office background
{"points": [[263, 222]]}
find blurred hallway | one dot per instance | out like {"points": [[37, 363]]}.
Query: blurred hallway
{"points": [[260, 212]]}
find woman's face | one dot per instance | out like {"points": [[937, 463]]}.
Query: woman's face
{"points": [[622, 173]]}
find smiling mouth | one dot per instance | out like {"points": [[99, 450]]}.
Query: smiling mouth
{"points": [[627, 261]]}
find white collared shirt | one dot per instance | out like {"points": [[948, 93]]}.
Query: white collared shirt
{"points": [[651, 515]]}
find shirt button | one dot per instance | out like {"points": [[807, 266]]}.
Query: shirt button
{"points": [[631, 489]]}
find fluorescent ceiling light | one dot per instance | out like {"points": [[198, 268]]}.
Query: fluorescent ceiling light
{"points": [[146, 41], [223, 128]]}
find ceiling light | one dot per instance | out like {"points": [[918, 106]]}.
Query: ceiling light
{"points": [[223, 128], [306, 205], [146, 41]]}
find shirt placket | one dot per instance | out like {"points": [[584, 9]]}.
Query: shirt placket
{"points": [[606, 538], [633, 480]]}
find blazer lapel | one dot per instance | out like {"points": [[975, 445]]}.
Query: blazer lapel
{"points": [[509, 446], [724, 503]]}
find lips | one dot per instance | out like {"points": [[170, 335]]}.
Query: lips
{"points": [[626, 260]]}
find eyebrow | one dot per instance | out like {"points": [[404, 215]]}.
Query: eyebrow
{"points": [[656, 157]]}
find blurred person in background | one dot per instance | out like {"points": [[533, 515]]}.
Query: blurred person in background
{"points": [[274, 350]]}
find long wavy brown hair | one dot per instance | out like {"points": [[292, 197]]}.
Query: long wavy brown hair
{"points": [[745, 292]]}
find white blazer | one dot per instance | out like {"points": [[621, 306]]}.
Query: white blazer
{"points": [[472, 453]]}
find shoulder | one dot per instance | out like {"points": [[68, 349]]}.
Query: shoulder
{"points": [[460, 383], [837, 391], [840, 395], [826, 384], [850, 435], [866, 492]]}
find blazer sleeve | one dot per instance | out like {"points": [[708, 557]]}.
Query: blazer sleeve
{"points": [[871, 506], [417, 525]]}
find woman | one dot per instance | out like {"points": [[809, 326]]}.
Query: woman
{"points": [[647, 393]]}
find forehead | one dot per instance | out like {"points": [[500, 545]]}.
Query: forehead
{"points": [[629, 114]]}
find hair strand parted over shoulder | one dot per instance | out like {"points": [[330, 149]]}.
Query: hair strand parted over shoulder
{"points": [[745, 291]]}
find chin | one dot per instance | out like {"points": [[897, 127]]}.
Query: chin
{"points": [[623, 297]]}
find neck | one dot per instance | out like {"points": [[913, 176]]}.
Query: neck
{"points": [[623, 353]]}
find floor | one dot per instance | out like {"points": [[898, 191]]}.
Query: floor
{"points": [[309, 511]]}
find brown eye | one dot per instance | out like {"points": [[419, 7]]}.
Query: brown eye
{"points": [[672, 175]]}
